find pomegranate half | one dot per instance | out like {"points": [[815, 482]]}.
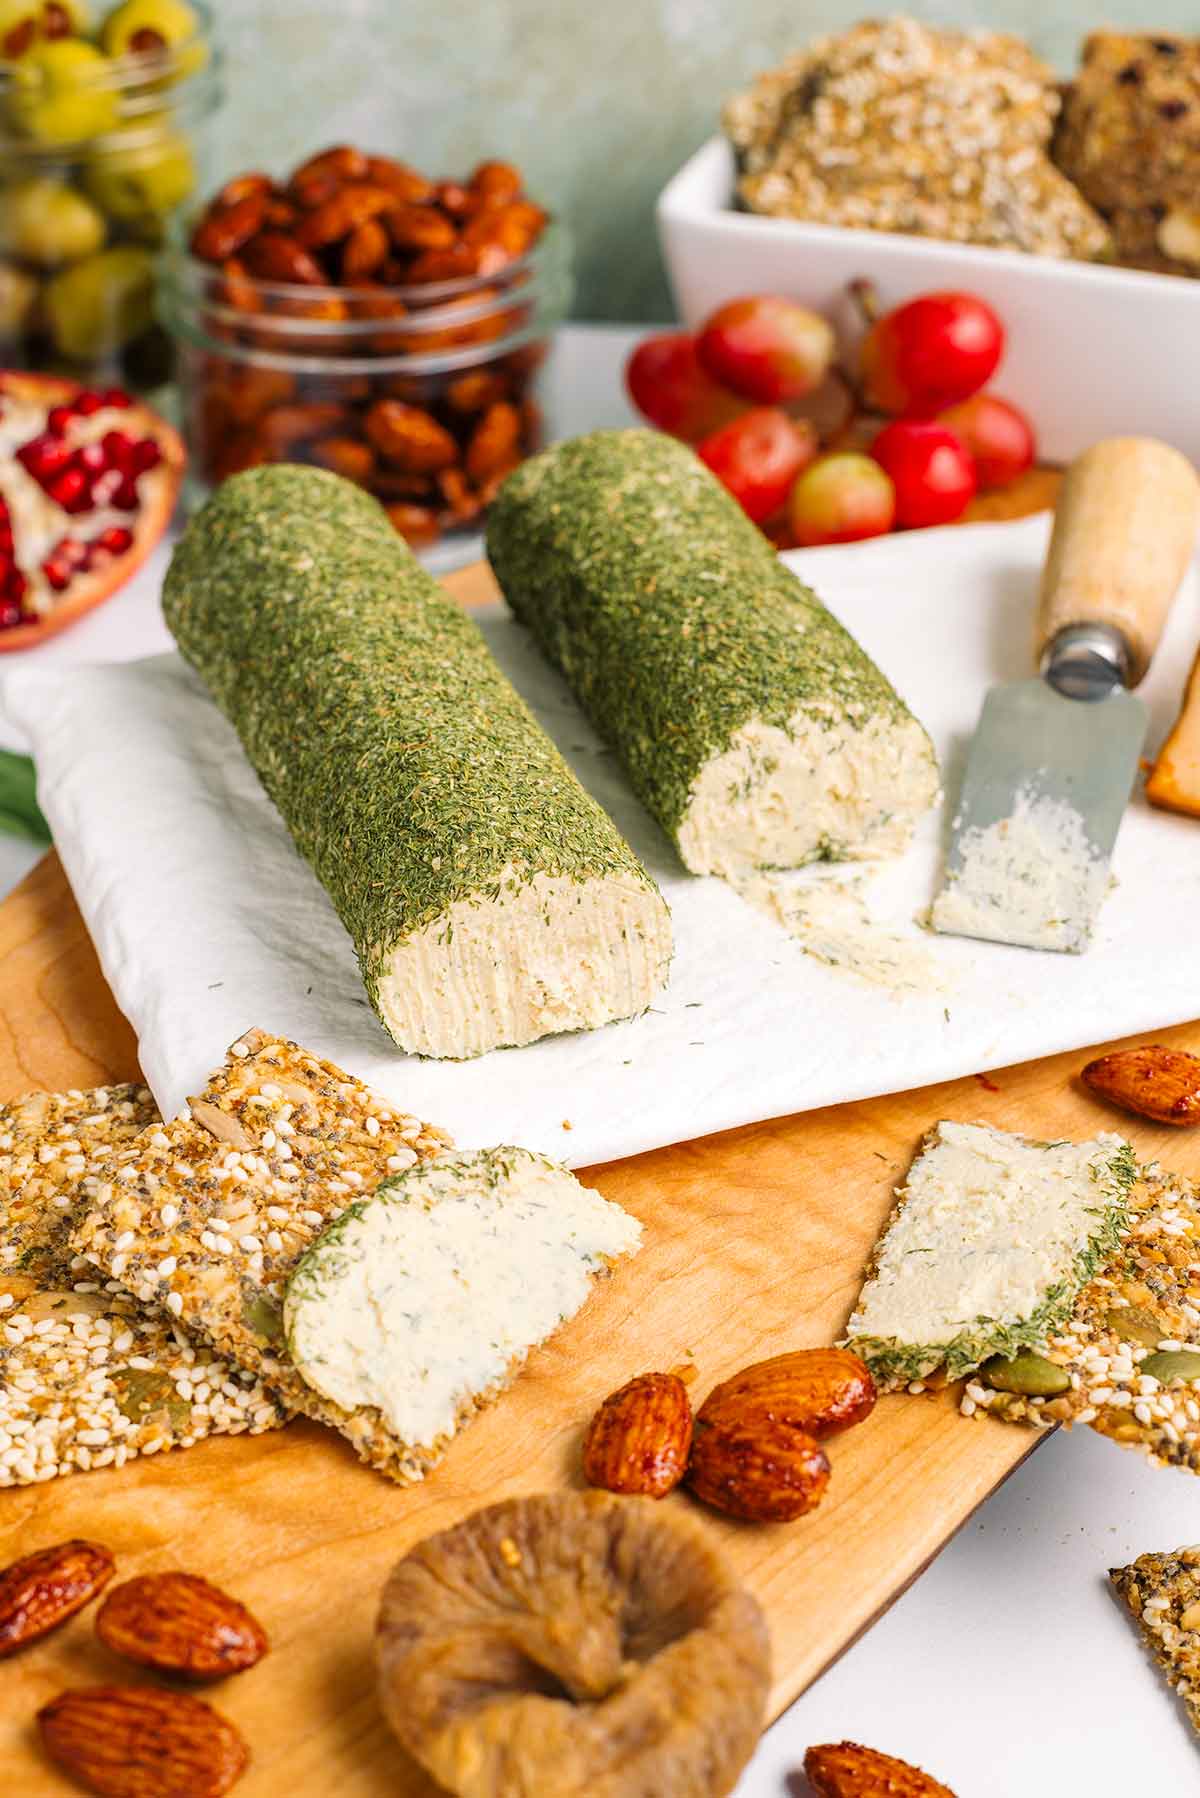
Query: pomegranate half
{"points": [[88, 483]]}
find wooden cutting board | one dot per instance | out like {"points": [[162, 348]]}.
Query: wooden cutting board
{"points": [[755, 1243]]}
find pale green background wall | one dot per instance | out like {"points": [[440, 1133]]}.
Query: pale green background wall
{"points": [[599, 100]]}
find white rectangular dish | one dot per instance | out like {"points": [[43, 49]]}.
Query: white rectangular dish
{"points": [[1092, 352], [206, 921]]}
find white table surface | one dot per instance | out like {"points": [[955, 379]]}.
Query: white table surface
{"points": [[1007, 1668]]}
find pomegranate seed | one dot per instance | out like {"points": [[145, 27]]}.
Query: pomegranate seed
{"points": [[105, 485], [125, 499], [91, 458], [43, 457], [147, 454], [57, 574], [7, 545], [3, 503], [73, 551], [58, 418], [88, 402], [10, 614], [16, 585], [116, 396], [118, 447], [70, 490], [116, 540]]}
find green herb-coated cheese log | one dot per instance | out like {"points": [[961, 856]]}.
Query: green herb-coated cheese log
{"points": [[751, 724], [490, 899]]}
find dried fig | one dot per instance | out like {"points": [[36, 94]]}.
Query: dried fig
{"points": [[573, 1643]]}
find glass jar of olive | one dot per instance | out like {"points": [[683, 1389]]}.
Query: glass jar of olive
{"points": [[101, 140]]}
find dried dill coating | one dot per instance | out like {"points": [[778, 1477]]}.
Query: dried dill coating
{"points": [[740, 706], [410, 773]]}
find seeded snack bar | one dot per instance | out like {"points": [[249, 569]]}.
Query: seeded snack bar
{"points": [[490, 899], [1141, 1312], [207, 1217], [750, 723], [1129, 138], [991, 1241], [46, 1143], [419, 1305], [1162, 1592], [897, 126]]}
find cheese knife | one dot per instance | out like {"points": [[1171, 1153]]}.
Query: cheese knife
{"points": [[1054, 758]]}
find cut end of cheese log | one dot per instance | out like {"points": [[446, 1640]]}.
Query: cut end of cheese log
{"points": [[784, 795], [420, 1304], [750, 723], [525, 960]]}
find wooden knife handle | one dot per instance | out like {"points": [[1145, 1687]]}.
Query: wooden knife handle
{"points": [[1124, 532]]}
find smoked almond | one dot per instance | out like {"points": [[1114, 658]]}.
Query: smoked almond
{"points": [[140, 1742], [848, 1770], [760, 1470], [179, 1623], [1156, 1082], [640, 1438], [44, 1589], [820, 1391]]}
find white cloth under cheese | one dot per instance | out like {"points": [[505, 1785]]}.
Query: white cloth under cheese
{"points": [[206, 921]]}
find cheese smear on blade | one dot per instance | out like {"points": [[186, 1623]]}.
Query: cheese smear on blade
{"points": [[422, 1301], [1033, 879], [993, 1237]]}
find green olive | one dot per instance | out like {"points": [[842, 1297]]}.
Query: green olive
{"points": [[24, 23], [43, 222], [1029, 1374], [98, 305], [18, 297], [1172, 1364], [140, 181], [62, 92], [152, 28]]}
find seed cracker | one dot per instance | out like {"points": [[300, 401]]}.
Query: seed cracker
{"points": [[1147, 1298], [87, 1380], [206, 1218], [46, 1143], [898, 126], [1162, 1592]]}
